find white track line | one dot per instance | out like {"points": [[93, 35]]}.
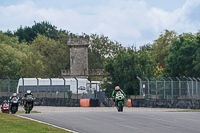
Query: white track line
{"points": [[46, 123]]}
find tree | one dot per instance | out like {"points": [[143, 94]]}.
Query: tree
{"points": [[196, 61], [183, 57], [45, 57], [9, 33], [162, 45], [28, 34], [100, 48], [145, 48], [124, 68], [11, 55]]}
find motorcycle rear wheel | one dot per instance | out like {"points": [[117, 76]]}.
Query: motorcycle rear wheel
{"points": [[121, 107], [29, 108], [13, 109]]}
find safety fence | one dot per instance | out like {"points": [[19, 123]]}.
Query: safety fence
{"points": [[168, 88], [8, 87]]}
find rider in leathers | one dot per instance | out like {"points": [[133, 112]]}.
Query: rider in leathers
{"points": [[115, 92]]}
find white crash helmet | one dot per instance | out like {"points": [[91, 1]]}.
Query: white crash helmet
{"points": [[14, 94], [28, 92]]}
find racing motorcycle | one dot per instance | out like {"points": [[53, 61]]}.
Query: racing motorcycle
{"points": [[28, 103], [13, 105], [119, 98], [5, 108]]}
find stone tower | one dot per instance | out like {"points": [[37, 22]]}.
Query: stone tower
{"points": [[78, 56]]}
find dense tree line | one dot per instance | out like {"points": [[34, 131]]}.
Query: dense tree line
{"points": [[42, 51]]}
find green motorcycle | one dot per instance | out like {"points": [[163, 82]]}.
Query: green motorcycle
{"points": [[119, 98]]}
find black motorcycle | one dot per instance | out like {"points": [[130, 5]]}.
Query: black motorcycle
{"points": [[29, 103], [13, 105]]}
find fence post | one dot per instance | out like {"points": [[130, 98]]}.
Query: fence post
{"points": [[163, 85], [140, 86], [77, 88], [8, 86], [148, 86], [64, 86], [196, 88], [179, 85], [192, 87], [90, 81], [198, 84], [171, 87], [188, 90], [156, 88], [22, 84], [50, 87], [37, 86]]}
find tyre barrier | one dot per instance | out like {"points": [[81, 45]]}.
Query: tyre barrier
{"points": [[84, 102], [94, 102], [129, 103], [89, 102]]}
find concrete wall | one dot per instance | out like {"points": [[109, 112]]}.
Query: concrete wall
{"points": [[94, 102], [153, 103], [57, 102], [176, 103]]}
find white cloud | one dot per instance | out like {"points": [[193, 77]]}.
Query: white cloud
{"points": [[125, 21]]}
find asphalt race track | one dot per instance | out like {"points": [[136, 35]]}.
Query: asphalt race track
{"points": [[122, 122]]}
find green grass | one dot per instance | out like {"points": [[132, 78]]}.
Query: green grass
{"points": [[193, 110], [23, 112], [13, 124]]}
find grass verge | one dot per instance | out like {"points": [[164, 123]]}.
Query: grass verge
{"points": [[13, 124], [23, 112], [193, 110]]}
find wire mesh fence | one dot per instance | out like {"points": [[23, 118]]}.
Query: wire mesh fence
{"points": [[170, 89], [7, 87]]}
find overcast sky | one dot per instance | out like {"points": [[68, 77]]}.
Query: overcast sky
{"points": [[130, 22]]}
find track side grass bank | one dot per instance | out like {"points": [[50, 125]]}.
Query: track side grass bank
{"points": [[23, 112], [192, 110], [13, 124]]}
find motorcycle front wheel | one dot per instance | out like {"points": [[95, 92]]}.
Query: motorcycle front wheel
{"points": [[29, 108]]}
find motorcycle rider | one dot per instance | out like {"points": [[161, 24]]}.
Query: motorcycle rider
{"points": [[14, 95], [117, 88], [11, 97], [27, 94], [5, 101]]}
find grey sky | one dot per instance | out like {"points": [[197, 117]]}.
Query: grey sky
{"points": [[126, 21]]}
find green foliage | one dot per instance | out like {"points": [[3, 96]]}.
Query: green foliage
{"points": [[11, 55], [161, 46], [69, 93], [183, 59], [124, 68], [45, 57], [196, 61], [100, 48], [9, 33], [28, 34]]}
